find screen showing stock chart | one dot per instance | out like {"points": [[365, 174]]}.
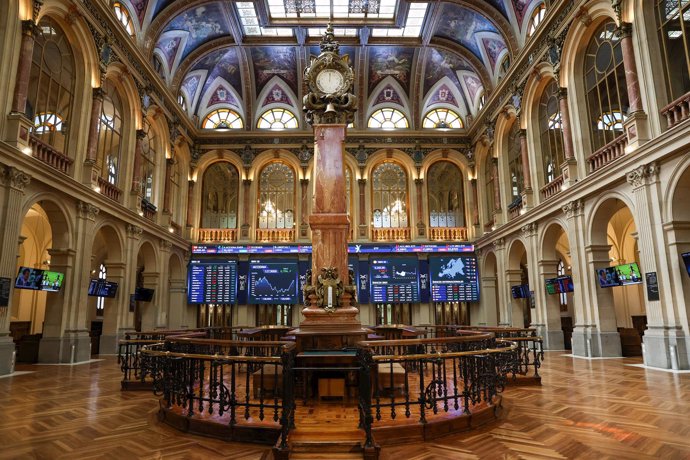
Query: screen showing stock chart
{"points": [[273, 282], [394, 280]]}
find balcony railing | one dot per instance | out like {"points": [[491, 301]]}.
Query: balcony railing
{"points": [[552, 188], [109, 190], [149, 209], [48, 155], [448, 233], [217, 235], [275, 235], [608, 153], [176, 228], [515, 208], [677, 111], [390, 234]]}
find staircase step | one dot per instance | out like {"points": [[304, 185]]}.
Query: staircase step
{"points": [[330, 445], [326, 455]]}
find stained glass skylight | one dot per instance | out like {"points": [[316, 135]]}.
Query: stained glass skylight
{"points": [[250, 23], [337, 9]]}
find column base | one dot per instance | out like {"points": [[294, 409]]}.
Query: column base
{"points": [[60, 349], [108, 344], [553, 338], [590, 343], [7, 355], [666, 348], [569, 171], [637, 128]]}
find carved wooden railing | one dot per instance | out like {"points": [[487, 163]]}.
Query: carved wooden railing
{"points": [[275, 235], [109, 190], [391, 234], [608, 153], [552, 188], [448, 233], [677, 111], [217, 235], [48, 155]]}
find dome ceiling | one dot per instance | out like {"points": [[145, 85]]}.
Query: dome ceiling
{"points": [[249, 55]]}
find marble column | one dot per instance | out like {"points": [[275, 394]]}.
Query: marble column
{"points": [[526, 174], [569, 167], [504, 318], [475, 201], [21, 85], [246, 209], [91, 167], [304, 218], [13, 182], [421, 226], [363, 221], [631, 78], [190, 203], [125, 316]]}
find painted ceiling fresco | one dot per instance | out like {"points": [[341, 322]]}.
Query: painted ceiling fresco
{"points": [[270, 67]]}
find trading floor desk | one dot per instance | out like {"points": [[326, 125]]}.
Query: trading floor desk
{"points": [[328, 373]]}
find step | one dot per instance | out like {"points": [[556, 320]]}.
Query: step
{"points": [[331, 446], [325, 455]]}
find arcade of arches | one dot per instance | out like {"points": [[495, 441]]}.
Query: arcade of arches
{"points": [[557, 146]]}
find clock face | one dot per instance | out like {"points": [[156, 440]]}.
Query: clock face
{"points": [[329, 81]]}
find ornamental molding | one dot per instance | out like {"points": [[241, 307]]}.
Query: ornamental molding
{"points": [[14, 178], [499, 244], [87, 210], [643, 175], [134, 231], [529, 230], [573, 208]]}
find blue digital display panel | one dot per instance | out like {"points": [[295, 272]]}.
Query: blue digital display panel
{"points": [[212, 281], [454, 279], [394, 280], [273, 282], [352, 248]]}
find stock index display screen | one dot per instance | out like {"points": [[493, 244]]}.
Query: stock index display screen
{"points": [[273, 282], [394, 280], [212, 281], [454, 279]]}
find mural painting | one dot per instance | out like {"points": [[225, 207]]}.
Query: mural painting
{"points": [[202, 23], [390, 61], [269, 61]]}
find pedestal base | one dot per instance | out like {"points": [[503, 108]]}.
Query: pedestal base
{"points": [[7, 355], [589, 342], [72, 348], [666, 348]]}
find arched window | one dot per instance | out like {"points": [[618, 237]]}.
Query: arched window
{"points": [[442, 118], [515, 164], [220, 192], [51, 85], [537, 17], [122, 15], [607, 94], [276, 196], [223, 119], [673, 21], [149, 149], [551, 131], [100, 301], [445, 192], [182, 101], [277, 119], [110, 134], [489, 187], [389, 201], [388, 119]]}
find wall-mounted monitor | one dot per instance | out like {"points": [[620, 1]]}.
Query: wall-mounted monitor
{"points": [[143, 294], [273, 282], [454, 279], [629, 274], [29, 278], [52, 281], [559, 285], [102, 288], [394, 280], [686, 261], [520, 291], [608, 277], [212, 281]]}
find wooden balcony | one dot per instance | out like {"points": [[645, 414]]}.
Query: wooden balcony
{"points": [[275, 235], [608, 153], [149, 210], [391, 234], [109, 190], [217, 235], [448, 233], [48, 155], [552, 188], [677, 111]]}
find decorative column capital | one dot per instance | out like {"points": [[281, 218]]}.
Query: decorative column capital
{"points": [[562, 93], [14, 178], [529, 230], [304, 181], [141, 134], [499, 244], [418, 182], [98, 94], [643, 175], [362, 182], [246, 182], [573, 208], [134, 231], [624, 30], [87, 210], [165, 245]]}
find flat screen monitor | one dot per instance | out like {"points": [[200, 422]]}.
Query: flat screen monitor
{"points": [[394, 280], [686, 261], [629, 274], [608, 277], [212, 281], [102, 288], [559, 285], [143, 294], [29, 278], [273, 282], [52, 281], [454, 279], [520, 292]]}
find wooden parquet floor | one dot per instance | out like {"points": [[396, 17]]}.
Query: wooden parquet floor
{"points": [[599, 409]]}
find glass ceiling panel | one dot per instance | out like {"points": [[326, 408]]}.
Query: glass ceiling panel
{"points": [[338, 9], [413, 24], [250, 22]]}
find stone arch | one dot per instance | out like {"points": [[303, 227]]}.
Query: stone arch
{"points": [[489, 308]]}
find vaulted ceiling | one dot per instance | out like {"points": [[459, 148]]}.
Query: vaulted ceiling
{"points": [[409, 55]]}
